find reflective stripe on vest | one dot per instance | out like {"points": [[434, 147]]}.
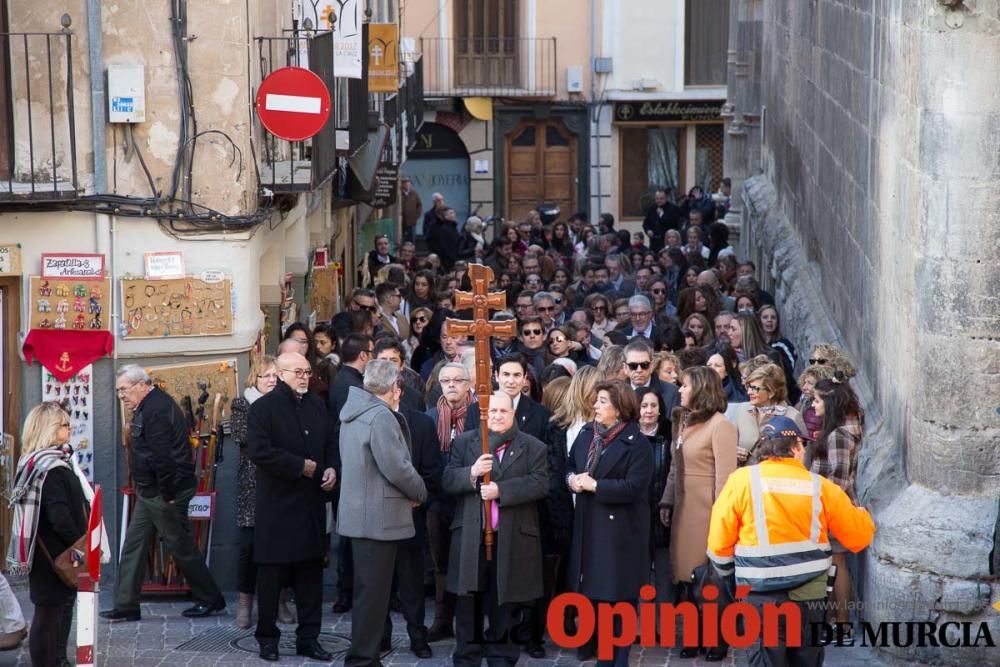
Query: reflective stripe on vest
{"points": [[767, 566]]}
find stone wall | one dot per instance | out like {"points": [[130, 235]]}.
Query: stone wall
{"points": [[876, 221]]}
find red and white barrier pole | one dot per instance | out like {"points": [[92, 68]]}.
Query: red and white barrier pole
{"points": [[88, 587]]}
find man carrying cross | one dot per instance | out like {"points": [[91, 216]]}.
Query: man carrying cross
{"points": [[491, 588]]}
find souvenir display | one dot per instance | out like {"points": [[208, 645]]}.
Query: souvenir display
{"points": [[68, 304], [175, 307], [76, 396]]}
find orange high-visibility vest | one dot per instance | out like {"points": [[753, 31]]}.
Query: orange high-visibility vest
{"points": [[772, 521]]}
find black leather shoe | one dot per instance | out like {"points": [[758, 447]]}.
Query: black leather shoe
{"points": [[342, 605], [312, 649], [535, 650], [269, 652], [203, 609], [716, 654], [689, 652], [121, 615], [421, 649]]}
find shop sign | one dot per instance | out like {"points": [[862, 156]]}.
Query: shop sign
{"points": [[74, 266], [164, 265], [10, 259], [668, 111], [386, 184]]}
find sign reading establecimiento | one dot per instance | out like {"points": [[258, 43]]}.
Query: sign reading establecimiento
{"points": [[668, 111]]}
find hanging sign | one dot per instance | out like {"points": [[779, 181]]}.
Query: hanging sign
{"points": [[75, 266], [347, 40], [383, 58], [164, 265]]}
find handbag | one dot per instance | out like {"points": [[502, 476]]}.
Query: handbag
{"points": [[70, 562], [706, 575]]}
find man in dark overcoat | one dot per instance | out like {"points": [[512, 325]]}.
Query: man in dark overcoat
{"points": [[291, 439], [427, 460], [518, 481], [532, 417]]}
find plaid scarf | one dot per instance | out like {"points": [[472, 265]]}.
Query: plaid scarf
{"points": [[602, 436], [26, 502], [449, 420]]}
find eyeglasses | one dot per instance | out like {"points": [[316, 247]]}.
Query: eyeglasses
{"points": [[599, 309], [303, 341], [299, 372], [621, 313], [531, 332], [645, 313], [545, 309], [636, 365], [452, 380], [755, 388], [817, 361], [659, 291], [420, 318], [370, 309], [121, 390], [556, 340]]}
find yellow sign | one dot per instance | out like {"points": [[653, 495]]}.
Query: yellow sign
{"points": [[383, 57], [10, 259]]}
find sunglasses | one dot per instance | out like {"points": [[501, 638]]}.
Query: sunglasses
{"points": [[636, 365], [659, 291], [817, 361], [599, 309], [531, 332], [755, 388], [420, 318], [370, 309], [545, 309]]}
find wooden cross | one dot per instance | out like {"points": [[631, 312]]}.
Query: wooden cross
{"points": [[481, 328]]}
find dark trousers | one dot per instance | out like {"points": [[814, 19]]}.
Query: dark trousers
{"points": [[470, 613], [170, 522], [439, 537], [375, 561], [408, 233], [553, 575], [620, 658], [345, 568], [306, 579], [410, 585], [49, 633], [806, 655], [246, 571]]}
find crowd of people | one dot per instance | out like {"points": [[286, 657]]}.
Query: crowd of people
{"points": [[645, 377]]}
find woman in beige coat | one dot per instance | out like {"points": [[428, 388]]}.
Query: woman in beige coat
{"points": [[704, 455], [768, 395]]}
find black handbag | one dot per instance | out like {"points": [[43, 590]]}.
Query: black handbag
{"points": [[707, 575]]}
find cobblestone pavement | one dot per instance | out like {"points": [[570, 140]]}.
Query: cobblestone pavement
{"points": [[165, 638]]}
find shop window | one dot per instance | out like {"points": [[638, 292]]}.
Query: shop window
{"points": [[708, 156], [706, 40], [651, 158]]}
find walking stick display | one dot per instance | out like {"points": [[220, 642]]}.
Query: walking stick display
{"points": [[481, 328]]}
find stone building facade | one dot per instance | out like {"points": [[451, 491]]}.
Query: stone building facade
{"points": [[862, 138]]}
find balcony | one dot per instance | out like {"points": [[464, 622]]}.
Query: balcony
{"points": [[297, 166], [489, 67], [37, 127]]}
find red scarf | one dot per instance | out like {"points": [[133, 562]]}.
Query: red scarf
{"points": [[449, 420], [599, 442]]}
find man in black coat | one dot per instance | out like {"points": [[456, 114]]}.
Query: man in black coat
{"points": [[290, 437], [163, 470], [443, 238], [518, 481], [660, 217], [361, 299], [355, 353], [426, 458], [532, 418], [640, 372]]}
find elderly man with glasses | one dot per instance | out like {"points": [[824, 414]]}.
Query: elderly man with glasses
{"points": [[641, 315], [545, 308], [163, 470], [290, 438]]}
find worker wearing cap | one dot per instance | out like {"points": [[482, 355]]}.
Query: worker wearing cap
{"points": [[771, 524]]}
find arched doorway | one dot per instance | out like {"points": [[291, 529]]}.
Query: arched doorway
{"points": [[541, 167], [439, 163]]}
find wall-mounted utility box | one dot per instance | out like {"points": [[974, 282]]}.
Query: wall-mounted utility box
{"points": [[126, 94], [574, 79]]}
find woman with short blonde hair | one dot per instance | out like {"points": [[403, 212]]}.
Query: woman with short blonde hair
{"points": [[578, 408], [768, 394]]}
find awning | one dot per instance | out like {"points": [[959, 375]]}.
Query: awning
{"points": [[480, 107]]}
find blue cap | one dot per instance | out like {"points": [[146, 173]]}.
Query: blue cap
{"points": [[781, 427]]}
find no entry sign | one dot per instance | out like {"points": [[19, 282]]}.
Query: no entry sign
{"points": [[293, 103]]}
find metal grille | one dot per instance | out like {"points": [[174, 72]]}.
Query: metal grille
{"points": [[231, 640], [216, 640], [710, 139]]}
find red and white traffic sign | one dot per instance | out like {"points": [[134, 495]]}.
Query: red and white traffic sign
{"points": [[293, 103]]}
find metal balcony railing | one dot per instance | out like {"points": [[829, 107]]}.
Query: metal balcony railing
{"points": [[489, 67], [287, 166], [37, 127]]}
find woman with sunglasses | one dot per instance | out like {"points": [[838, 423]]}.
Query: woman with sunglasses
{"points": [[50, 515], [560, 343], [600, 306], [768, 396], [419, 318], [659, 295], [703, 456]]}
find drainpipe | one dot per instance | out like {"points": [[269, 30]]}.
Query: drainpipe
{"points": [[104, 225], [595, 107]]}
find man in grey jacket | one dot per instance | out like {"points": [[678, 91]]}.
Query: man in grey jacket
{"points": [[380, 488]]}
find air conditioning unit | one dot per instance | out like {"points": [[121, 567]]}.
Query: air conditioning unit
{"points": [[574, 79]]}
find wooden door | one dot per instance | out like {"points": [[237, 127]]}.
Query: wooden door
{"points": [[10, 395], [541, 168], [486, 44]]}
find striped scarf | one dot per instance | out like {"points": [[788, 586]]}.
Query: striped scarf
{"points": [[450, 420], [26, 502]]}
